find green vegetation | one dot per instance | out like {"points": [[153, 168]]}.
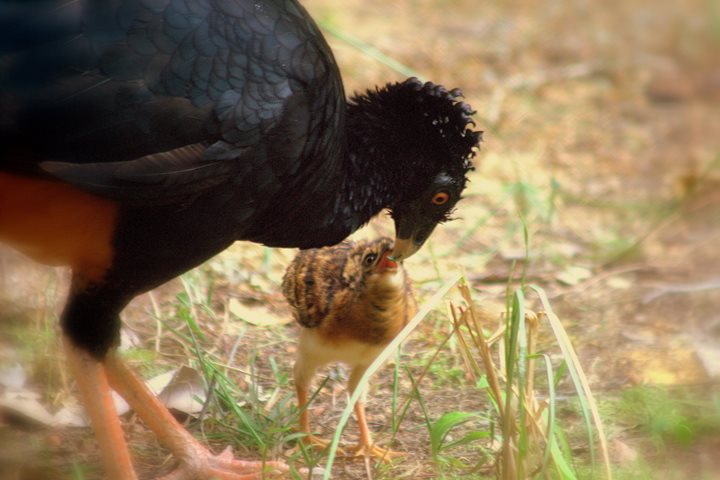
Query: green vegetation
{"points": [[667, 415]]}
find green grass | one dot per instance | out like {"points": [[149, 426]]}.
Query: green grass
{"points": [[79, 472], [531, 438], [667, 415], [144, 361], [513, 431], [447, 434], [519, 430], [378, 362]]}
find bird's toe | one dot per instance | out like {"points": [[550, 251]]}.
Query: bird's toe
{"points": [[226, 467], [384, 454]]}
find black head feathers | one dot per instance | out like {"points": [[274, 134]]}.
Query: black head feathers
{"points": [[412, 116]]}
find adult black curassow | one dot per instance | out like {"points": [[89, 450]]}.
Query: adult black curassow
{"points": [[351, 301], [138, 138]]}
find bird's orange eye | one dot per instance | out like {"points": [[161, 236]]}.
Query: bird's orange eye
{"points": [[440, 198]]}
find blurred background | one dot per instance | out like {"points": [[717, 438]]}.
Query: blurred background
{"points": [[601, 145]]}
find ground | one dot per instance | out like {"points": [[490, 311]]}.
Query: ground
{"points": [[602, 137]]}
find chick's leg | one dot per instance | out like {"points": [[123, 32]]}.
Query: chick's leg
{"points": [[196, 461], [366, 446], [309, 439], [96, 397], [303, 372]]}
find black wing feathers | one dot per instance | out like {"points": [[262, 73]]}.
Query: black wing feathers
{"points": [[158, 100]]}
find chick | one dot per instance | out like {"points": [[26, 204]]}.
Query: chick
{"points": [[351, 300]]}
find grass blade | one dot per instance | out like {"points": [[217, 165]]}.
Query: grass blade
{"points": [[369, 50], [587, 400], [375, 366], [551, 415]]}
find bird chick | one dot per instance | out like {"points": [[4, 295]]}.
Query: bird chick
{"points": [[351, 300]]}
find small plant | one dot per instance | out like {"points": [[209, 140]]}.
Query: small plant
{"points": [[441, 440], [532, 443]]}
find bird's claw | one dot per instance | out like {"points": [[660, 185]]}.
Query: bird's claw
{"points": [[384, 454], [225, 467], [316, 443]]}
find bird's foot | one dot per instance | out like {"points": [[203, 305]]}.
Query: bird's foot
{"points": [[316, 443], [205, 466], [380, 453]]}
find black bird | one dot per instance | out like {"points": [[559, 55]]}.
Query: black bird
{"points": [[138, 138]]}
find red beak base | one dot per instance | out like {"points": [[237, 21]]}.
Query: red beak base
{"points": [[385, 263]]}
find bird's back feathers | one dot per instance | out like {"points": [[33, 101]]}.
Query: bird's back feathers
{"points": [[338, 291]]}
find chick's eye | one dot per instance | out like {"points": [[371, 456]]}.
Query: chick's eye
{"points": [[369, 259], [440, 198]]}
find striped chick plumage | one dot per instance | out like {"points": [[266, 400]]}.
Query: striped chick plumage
{"points": [[351, 301]]}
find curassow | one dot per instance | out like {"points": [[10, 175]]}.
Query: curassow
{"points": [[351, 301], [138, 138]]}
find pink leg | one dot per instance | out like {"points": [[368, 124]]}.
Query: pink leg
{"points": [[196, 461], [97, 399]]}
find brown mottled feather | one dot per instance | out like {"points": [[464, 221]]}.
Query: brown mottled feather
{"points": [[352, 301], [330, 289]]}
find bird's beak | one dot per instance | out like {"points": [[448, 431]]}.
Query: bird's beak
{"points": [[386, 263], [411, 231], [403, 248]]}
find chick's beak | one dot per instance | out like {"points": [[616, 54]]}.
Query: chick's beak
{"points": [[386, 264]]}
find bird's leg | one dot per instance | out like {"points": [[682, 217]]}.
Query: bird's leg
{"points": [[96, 396], [196, 461], [302, 397], [309, 439], [366, 447], [303, 373]]}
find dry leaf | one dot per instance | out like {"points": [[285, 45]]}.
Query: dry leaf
{"points": [[642, 336], [25, 405], [709, 355], [158, 383], [71, 415], [258, 315], [623, 453], [13, 377], [185, 392], [129, 339], [262, 283], [619, 283], [121, 406], [512, 253], [177, 389], [573, 275]]}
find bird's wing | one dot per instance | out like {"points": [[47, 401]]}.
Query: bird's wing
{"points": [[321, 284], [154, 102]]}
